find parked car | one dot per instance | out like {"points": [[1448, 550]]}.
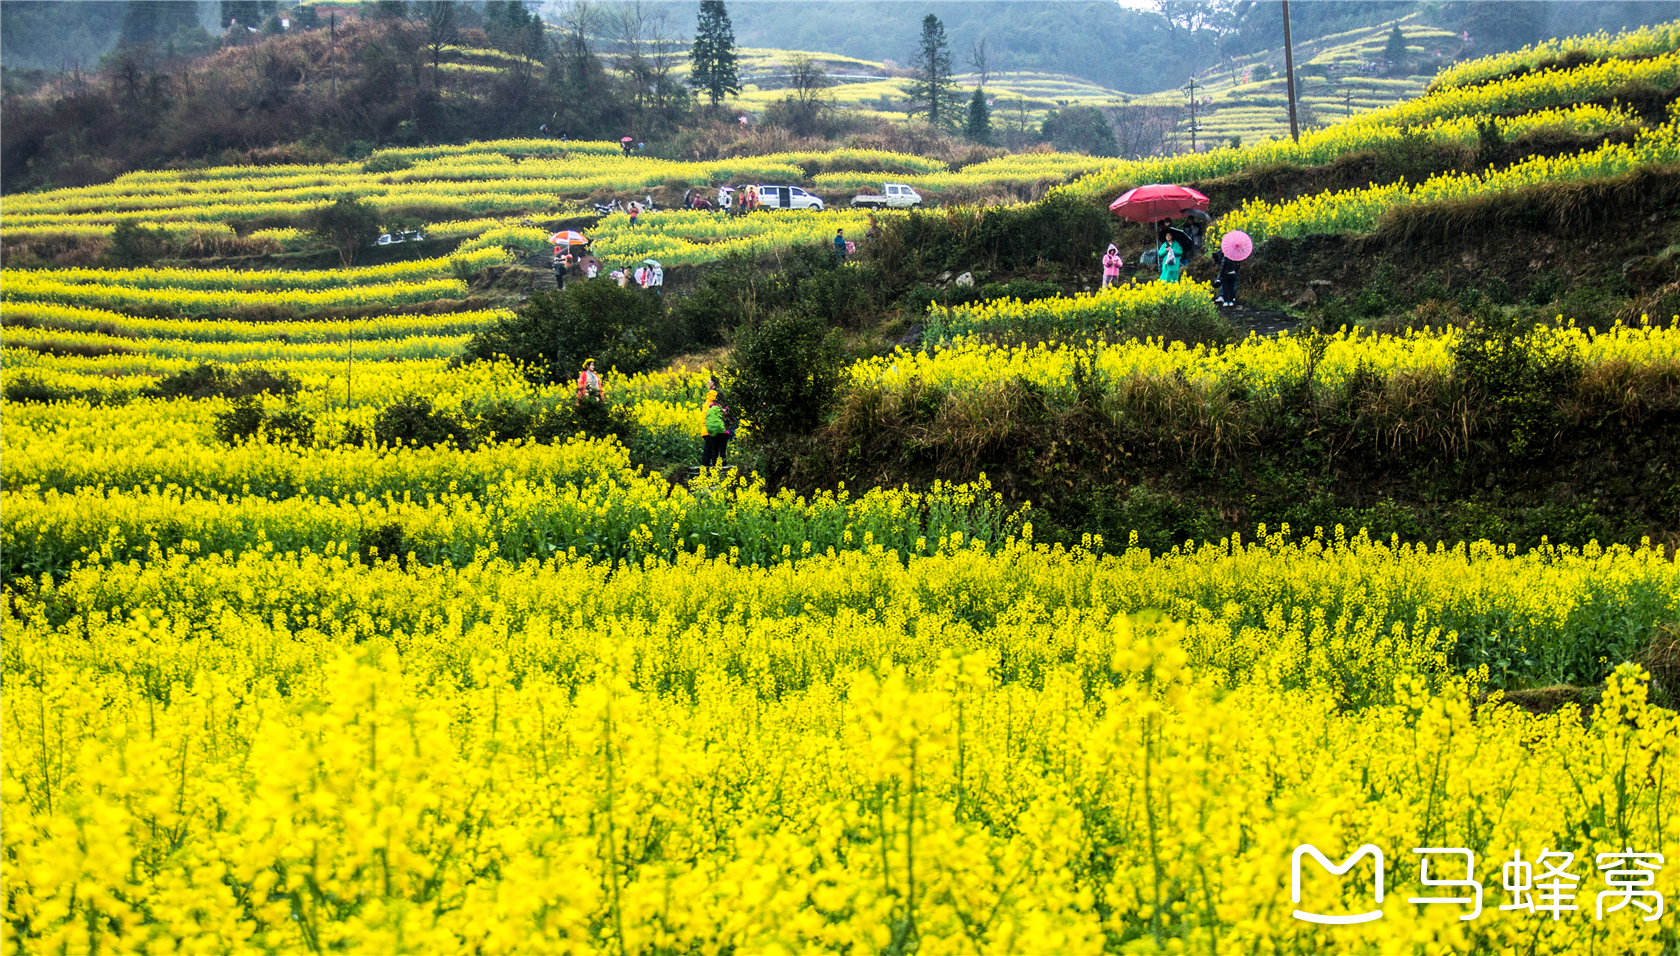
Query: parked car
{"points": [[893, 195], [787, 197]]}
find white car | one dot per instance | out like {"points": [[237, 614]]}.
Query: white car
{"points": [[892, 195], [787, 197]]}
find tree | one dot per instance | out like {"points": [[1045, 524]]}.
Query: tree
{"points": [[980, 60], [806, 101], [513, 29], [783, 372], [978, 128], [154, 21], [556, 332], [641, 32], [442, 19], [1080, 129], [349, 224], [246, 13], [1395, 51], [713, 68], [932, 91]]}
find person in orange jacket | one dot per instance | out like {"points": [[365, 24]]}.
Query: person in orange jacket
{"points": [[589, 383]]}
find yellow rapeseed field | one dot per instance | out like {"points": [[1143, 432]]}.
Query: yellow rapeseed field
{"points": [[332, 695], [972, 751]]}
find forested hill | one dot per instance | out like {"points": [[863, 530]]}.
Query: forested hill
{"points": [[1129, 47], [1133, 47]]}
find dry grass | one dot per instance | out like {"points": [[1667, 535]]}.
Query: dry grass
{"points": [[1661, 658], [1566, 207]]}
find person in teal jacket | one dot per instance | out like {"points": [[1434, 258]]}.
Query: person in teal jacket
{"points": [[1171, 256], [717, 435]]}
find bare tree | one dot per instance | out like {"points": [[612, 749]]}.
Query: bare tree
{"points": [[978, 59], [666, 47], [807, 99], [646, 50], [1145, 130], [626, 27]]}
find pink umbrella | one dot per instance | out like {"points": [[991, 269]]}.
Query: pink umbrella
{"points": [[1236, 245], [1157, 202]]}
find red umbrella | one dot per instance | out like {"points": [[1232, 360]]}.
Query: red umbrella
{"points": [[628, 139], [1158, 202]]}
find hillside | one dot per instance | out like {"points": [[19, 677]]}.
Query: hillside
{"points": [[1351, 224], [380, 578]]}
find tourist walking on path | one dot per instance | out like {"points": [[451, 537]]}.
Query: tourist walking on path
{"points": [[717, 434], [1226, 279]]}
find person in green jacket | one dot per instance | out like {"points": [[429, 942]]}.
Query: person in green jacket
{"points": [[717, 435], [1171, 256]]}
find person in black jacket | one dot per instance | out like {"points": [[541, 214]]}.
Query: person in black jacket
{"points": [[1226, 279]]}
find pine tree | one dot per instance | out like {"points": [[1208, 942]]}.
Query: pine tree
{"points": [[932, 91], [1395, 51], [979, 126], [713, 58]]}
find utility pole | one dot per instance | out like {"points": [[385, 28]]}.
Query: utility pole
{"points": [[1347, 102], [1192, 89], [1289, 65], [332, 52]]}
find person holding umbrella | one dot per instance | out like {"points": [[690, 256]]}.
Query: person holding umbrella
{"points": [[1234, 247], [626, 144], [1171, 255]]}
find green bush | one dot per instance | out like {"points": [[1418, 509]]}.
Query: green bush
{"points": [[1517, 375], [386, 163], [1027, 290], [1080, 129], [248, 421], [27, 389], [729, 292], [784, 372], [134, 246], [348, 225], [210, 380], [557, 331], [414, 423]]}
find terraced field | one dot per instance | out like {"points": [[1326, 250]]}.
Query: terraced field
{"points": [[321, 637]]}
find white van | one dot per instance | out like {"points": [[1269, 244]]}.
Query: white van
{"points": [[787, 197]]}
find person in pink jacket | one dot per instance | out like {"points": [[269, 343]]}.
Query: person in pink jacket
{"points": [[1111, 266]]}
